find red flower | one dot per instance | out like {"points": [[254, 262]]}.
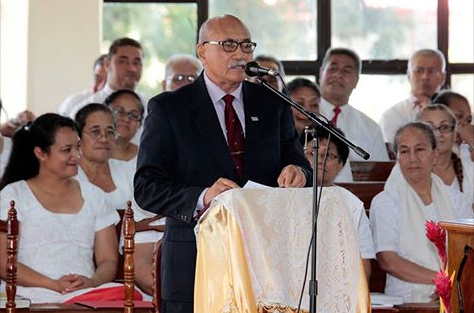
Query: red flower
{"points": [[444, 285], [437, 235]]}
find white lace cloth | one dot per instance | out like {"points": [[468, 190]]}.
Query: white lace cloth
{"points": [[276, 228]]}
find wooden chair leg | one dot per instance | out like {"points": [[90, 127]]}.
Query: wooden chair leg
{"points": [[128, 266], [12, 246]]}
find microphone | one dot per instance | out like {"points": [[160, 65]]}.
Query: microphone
{"points": [[254, 69]]}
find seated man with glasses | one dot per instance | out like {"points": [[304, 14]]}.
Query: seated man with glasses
{"points": [[180, 70], [210, 136], [332, 156]]}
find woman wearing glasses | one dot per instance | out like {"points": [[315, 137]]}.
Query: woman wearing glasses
{"points": [[97, 131], [127, 109], [456, 172]]}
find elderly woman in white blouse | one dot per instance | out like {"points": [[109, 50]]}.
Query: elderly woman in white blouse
{"points": [[115, 177], [412, 195]]}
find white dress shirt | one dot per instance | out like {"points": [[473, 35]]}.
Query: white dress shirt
{"points": [[397, 116], [361, 130], [70, 103]]}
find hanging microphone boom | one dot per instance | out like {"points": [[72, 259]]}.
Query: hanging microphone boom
{"points": [[254, 69]]}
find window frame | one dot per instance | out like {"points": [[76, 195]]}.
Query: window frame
{"points": [[323, 40]]}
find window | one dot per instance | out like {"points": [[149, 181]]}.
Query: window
{"points": [[384, 29], [285, 29], [464, 84], [163, 29], [461, 31]]}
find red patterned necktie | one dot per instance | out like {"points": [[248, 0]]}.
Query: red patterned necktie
{"points": [[336, 111], [235, 135]]}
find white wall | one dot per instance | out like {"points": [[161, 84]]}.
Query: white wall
{"points": [[52, 56]]}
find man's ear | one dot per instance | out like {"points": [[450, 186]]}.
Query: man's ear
{"points": [[200, 52], [39, 153]]}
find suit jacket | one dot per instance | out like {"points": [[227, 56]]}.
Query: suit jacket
{"points": [[183, 150]]}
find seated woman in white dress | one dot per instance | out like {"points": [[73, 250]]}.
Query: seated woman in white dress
{"points": [[128, 110], [97, 131], [64, 223], [332, 156], [412, 196], [455, 172]]}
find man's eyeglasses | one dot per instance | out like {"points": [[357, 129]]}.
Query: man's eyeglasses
{"points": [[180, 78], [132, 115], [230, 45], [443, 129], [96, 133]]}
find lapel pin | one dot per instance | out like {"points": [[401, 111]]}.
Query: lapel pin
{"points": [[254, 118]]}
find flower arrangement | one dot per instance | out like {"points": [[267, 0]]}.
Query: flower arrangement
{"points": [[443, 282]]}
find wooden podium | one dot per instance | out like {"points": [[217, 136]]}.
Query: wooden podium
{"points": [[460, 233]]}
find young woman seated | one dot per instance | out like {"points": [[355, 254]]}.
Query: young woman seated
{"points": [[67, 243]]}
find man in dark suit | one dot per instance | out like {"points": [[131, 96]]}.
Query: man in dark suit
{"points": [[206, 138]]}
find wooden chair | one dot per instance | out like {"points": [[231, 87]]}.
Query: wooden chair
{"points": [[130, 227], [10, 227], [157, 276], [465, 281], [370, 170]]}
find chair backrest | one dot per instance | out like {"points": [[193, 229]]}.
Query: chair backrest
{"points": [[464, 281], [157, 276], [371, 170], [365, 191], [378, 277], [10, 227]]}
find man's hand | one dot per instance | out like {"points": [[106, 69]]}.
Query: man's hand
{"points": [[221, 185], [292, 176]]}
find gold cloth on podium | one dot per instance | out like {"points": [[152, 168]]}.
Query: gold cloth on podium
{"points": [[252, 247]]}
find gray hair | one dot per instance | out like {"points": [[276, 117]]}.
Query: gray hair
{"points": [[182, 58], [428, 52], [437, 107], [425, 128]]}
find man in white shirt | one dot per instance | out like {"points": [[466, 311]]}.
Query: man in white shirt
{"points": [[124, 70], [426, 73], [100, 77], [180, 70], [339, 75]]}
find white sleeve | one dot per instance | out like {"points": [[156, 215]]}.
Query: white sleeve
{"points": [[379, 150], [384, 221], [366, 243]]}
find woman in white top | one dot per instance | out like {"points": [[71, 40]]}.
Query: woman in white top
{"points": [[454, 171], [332, 156], [412, 195], [97, 130], [465, 129], [63, 222], [128, 110]]}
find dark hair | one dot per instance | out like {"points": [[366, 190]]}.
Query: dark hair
{"points": [[341, 147], [83, 114], [344, 51], [122, 42], [269, 58], [301, 82], [446, 96], [99, 61], [424, 127], [116, 94], [41, 133]]}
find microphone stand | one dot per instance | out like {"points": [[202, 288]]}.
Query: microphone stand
{"points": [[317, 122]]}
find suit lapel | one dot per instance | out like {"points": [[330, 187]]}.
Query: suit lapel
{"points": [[209, 129], [253, 122]]}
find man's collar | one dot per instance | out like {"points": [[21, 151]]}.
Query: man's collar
{"points": [[216, 93], [107, 89]]}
